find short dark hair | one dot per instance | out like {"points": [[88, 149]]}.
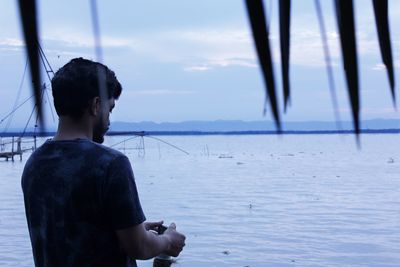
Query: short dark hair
{"points": [[77, 82]]}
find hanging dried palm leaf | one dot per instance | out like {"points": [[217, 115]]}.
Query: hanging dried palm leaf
{"points": [[255, 9], [328, 63], [345, 20], [284, 32], [27, 10], [382, 25]]}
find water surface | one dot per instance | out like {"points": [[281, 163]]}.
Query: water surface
{"points": [[296, 200]]}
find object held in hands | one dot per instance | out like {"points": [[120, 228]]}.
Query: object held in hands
{"points": [[162, 260], [161, 229]]}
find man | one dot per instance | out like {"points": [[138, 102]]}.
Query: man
{"points": [[81, 201]]}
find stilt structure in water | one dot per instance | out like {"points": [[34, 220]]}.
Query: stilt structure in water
{"points": [[140, 146], [11, 146], [12, 153]]}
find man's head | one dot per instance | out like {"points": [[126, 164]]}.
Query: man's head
{"points": [[86, 88]]}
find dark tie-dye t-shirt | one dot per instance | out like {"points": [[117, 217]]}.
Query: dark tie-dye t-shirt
{"points": [[77, 193]]}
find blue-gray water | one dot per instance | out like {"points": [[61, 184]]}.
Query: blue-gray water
{"points": [[312, 200]]}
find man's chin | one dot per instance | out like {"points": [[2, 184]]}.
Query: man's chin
{"points": [[98, 135], [98, 139]]}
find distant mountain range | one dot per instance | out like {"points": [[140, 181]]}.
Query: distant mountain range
{"points": [[238, 125]]}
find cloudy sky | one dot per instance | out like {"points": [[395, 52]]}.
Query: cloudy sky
{"points": [[194, 60]]}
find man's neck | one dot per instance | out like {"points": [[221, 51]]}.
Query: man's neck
{"points": [[70, 129]]}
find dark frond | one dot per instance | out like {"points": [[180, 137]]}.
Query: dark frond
{"points": [[27, 10], [96, 30], [328, 62], [284, 32], [382, 25], [255, 9], [345, 20]]}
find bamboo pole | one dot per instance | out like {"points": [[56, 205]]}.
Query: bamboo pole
{"points": [[19, 148], [12, 149]]}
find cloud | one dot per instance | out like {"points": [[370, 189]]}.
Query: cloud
{"points": [[379, 111], [214, 37], [157, 92], [85, 40], [196, 50], [382, 67], [379, 67], [376, 111], [206, 49], [70, 54], [307, 47], [212, 63], [196, 68], [201, 49], [243, 62], [12, 42]]}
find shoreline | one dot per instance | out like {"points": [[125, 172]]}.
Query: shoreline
{"points": [[193, 133]]}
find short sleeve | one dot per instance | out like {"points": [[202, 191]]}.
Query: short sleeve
{"points": [[121, 200]]}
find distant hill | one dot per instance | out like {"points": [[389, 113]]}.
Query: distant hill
{"points": [[238, 125]]}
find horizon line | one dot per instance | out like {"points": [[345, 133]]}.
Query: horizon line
{"points": [[183, 133]]}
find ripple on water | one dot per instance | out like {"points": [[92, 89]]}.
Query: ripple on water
{"points": [[335, 208]]}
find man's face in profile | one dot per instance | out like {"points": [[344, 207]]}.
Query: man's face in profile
{"points": [[103, 122]]}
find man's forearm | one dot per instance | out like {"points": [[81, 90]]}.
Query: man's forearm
{"points": [[153, 245], [140, 243]]}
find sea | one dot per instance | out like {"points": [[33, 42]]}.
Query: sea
{"points": [[252, 200]]}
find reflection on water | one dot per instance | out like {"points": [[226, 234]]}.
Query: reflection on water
{"points": [[310, 200]]}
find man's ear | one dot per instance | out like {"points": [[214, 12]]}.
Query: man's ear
{"points": [[94, 108]]}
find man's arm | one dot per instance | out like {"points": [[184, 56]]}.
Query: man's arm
{"points": [[141, 244]]}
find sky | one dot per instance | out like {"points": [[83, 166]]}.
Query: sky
{"points": [[183, 60]]}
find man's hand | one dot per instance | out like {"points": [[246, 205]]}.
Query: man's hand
{"points": [[176, 241], [140, 242], [152, 225]]}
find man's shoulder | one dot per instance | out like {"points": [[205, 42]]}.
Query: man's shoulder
{"points": [[75, 156], [107, 154], [102, 149], [98, 152], [80, 148]]}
